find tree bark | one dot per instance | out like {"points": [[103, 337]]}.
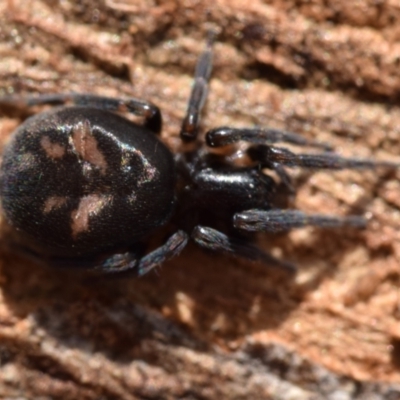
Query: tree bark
{"points": [[206, 326]]}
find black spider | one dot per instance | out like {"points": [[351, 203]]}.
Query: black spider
{"points": [[83, 186]]}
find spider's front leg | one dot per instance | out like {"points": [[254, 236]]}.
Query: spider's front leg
{"points": [[214, 240], [256, 220], [277, 158], [265, 155], [283, 220], [198, 96], [223, 136], [140, 108]]}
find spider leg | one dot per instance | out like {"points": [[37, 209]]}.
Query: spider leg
{"points": [[172, 247], [116, 263], [283, 220], [223, 136], [198, 96], [123, 262], [148, 111], [214, 240], [120, 262], [266, 155], [284, 176]]}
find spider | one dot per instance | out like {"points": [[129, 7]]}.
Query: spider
{"points": [[82, 186]]}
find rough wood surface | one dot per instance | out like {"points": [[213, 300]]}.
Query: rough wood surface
{"points": [[206, 326]]}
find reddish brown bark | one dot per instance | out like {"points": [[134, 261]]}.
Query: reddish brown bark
{"points": [[207, 326]]}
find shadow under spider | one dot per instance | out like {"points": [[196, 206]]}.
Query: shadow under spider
{"points": [[191, 301]]}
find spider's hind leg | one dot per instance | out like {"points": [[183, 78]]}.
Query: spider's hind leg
{"points": [[128, 262], [140, 108], [124, 262]]}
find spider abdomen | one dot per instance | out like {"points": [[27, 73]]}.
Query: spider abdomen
{"points": [[78, 180]]}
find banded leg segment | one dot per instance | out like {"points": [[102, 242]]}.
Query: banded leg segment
{"points": [[126, 262], [224, 136], [214, 240], [150, 112], [129, 262], [283, 220], [172, 247], [265, 155], [198, 96]]}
